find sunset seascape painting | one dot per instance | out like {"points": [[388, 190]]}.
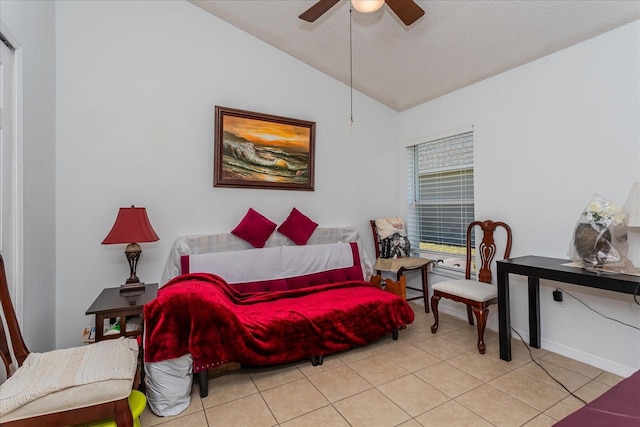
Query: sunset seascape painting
{"points": [[264, 151]]}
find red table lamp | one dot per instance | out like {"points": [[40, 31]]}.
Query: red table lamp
{"points": [[132, 226]]}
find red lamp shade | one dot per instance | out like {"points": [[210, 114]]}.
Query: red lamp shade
{"points": [[132, 225]]}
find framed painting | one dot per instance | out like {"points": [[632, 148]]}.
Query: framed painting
{"points": [[254, 150]]}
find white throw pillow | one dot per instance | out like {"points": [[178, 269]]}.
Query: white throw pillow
{"points": [[388, 226]]}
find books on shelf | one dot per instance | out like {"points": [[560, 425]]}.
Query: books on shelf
{"points": [[89, 335]]}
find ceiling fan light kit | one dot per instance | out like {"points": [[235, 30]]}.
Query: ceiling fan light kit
{"points": [[407, 10], [367, 6]]}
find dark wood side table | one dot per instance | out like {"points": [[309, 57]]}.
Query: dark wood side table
{"points": [[112, 304]]}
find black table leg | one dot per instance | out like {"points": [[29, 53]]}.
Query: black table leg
{"points": [[504, 315], [534, 312]]}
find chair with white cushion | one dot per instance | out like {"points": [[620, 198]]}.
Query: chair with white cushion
{"points": [[63, 387], [477, 295]]}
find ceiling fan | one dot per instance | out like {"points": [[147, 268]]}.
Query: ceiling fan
{"points": [[407, 10]]}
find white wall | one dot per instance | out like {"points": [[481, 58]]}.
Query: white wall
{"points": [[32, 24], [137, 83], [548, 135]]}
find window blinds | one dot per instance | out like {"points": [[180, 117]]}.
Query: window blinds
{"points": [[440, 192]]}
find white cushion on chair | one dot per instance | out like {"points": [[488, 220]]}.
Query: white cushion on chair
{"points": [[469, 289], [70, 378]]}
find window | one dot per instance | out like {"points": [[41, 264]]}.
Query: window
{"points": [[440, 194]]}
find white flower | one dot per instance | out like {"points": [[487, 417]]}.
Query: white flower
{"points": [[594, 207], [604, 214]]}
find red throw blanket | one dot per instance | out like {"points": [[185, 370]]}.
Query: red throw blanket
{"points": [[202, 315]]}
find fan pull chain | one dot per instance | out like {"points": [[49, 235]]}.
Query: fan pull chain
{"points": [[351, 61]]}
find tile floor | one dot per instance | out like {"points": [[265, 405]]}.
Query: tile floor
{"points": [[422, 379]]}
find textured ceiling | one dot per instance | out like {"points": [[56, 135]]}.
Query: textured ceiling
{"points": [[455, 44]]}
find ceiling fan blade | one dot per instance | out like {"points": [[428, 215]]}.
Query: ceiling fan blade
{"points": [[317, 10], [407, 10]]}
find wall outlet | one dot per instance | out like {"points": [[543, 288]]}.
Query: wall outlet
{"points": [[558, 298], [557, 295]]}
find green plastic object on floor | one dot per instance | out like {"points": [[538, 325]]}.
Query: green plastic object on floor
{"points": [[137, 403]]}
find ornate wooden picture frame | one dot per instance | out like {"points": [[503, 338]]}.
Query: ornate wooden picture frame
{"points": [[255, 150]]}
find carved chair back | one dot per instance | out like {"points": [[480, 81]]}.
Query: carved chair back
{"points": [[487, 248]]}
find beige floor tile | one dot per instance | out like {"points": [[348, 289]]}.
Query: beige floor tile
{"points": [[529, 390], [228, 387], [448, 323], [148, 418], [326, 416], [541, 420], [482, 366], [417, 331], [448, 379], [197, 419], [609, 378], [518, 358], [563, 408], [246, 411], [410, 423], [592, 390], [570, 379], [465, 337], [328, 363], [378, 369], [410, 357], [371, 408], [518, 345], [574, 365], [339, 383], [413, 395], [266, 378], [357, 353], [388, 344], [441, 348], [293, 399], [497, 407], [451, 414]]}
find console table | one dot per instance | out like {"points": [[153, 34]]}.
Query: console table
{"points": [[536, 268]]}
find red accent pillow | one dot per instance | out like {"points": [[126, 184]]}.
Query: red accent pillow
{"points": [[255, 228], [298, 227]]}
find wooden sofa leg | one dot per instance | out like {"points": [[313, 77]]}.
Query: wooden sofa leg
{"points": [[394, 334], [202, 378], [317, 360]]}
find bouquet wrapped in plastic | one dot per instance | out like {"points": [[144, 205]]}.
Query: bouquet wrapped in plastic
{"points": [[599, 240]]}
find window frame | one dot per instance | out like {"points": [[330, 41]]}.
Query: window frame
{"points": [[427, 161]]}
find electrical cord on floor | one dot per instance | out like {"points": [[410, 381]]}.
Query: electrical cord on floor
{"points": [[544, 369], [606, 317]]}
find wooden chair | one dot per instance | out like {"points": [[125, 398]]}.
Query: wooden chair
{"points": [[29, 374], [399, 266], [478, 296], [398, 288]]}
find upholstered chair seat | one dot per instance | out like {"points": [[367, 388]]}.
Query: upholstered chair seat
{"points": [[47, 381], [469, 289]]}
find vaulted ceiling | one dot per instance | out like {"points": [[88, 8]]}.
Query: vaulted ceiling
{"points": [[456, 43]]}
